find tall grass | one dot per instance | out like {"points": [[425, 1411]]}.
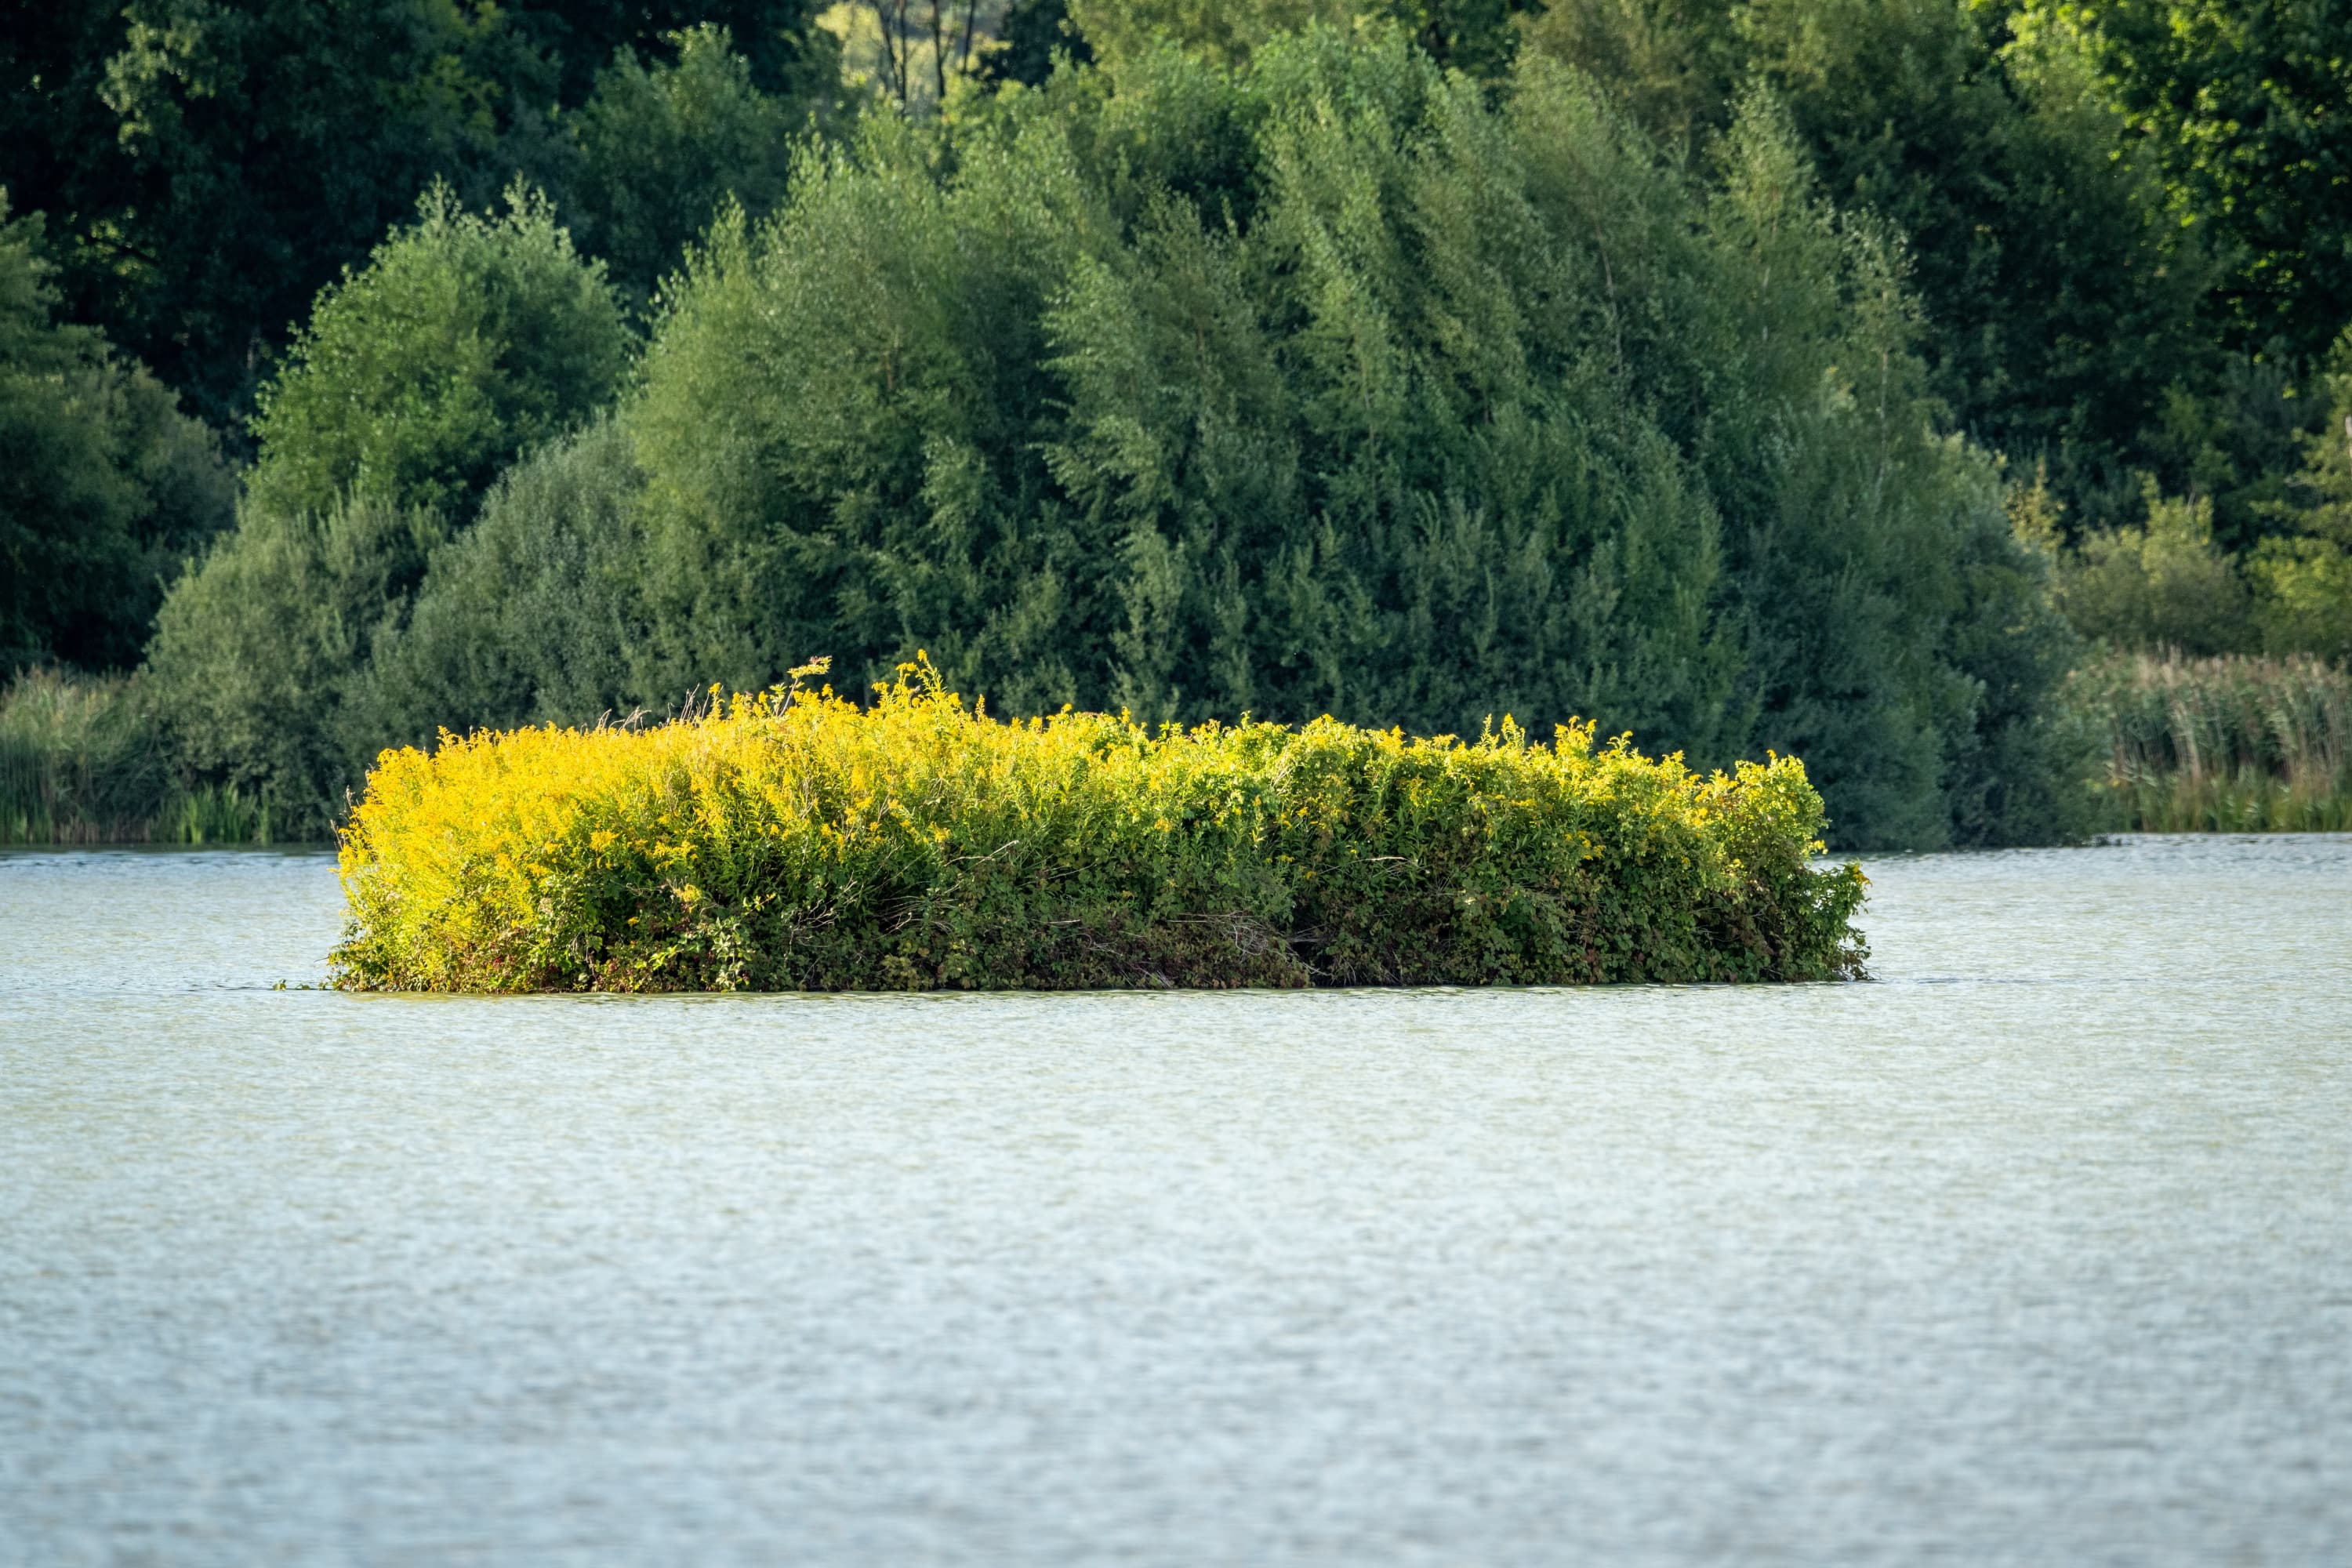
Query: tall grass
{"points": [[2232, 744], [797, 841], [85, 760]]}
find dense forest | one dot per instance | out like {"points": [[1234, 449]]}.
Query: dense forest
{"points": [[1834, 377]]}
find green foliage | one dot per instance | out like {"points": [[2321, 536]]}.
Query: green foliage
{"points": [[2221, 746], [2059, 304], [798, 843], [1896, 635], [2165, 583], [264, 144], [464, 340], [1675, 66], [840, 422], [259, 650], [209, 166], [789, 55], [1479, 37], [2169, 585], [664, 146], [2241, 101], [85, 760], [2017, 776], [2321, 496], [2303, 589], [2302, 578], [533, 616], [105, 486], [1332, 387], [1471, 36], [1034, 32], [2236, 439], [1214, 31]]}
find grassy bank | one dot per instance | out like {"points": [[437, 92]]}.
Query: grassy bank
{"points": [[799, 842], [85, 760], [2231, 745]]}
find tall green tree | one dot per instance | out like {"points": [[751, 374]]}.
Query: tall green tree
{"points": [[535, 615], [2302, 573], [2243, 106], [664, 145], [788, 55], [465, 341], [2061, 304], [1673, 66], [259, 653], [105, 486], [1333, 385], [1475, 37], [208, 165], [266, 143]]}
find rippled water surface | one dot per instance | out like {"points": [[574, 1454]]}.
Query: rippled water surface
{"points": [[2036, 1249]]}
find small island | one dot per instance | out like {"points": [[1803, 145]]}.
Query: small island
{"points": [[794, 840]]}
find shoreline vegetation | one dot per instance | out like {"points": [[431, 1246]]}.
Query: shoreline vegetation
{"points": [[2241, 744], [792, 840], [85, 760], [1889, 385], [2233, 743]]}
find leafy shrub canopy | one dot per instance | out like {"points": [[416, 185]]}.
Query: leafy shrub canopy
{"points": [[664, 146], [1338, 385], [258, 652], [465, 339]]}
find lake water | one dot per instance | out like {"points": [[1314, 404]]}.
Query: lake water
{"points": [[2036, 1249]]}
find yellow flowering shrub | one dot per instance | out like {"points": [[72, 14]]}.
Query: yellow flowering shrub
{"points": [[792, 840]]}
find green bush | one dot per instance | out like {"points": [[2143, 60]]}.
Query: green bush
{"points": [[260, 650], [800, 843], [533, 616], [2165, 585], [2302, 578], [664, 146], [1214, 30], [2303, 596], [2063, 300], [1471, 36], [464, 340], [209, 166], [2240, 103], [2168, 586]]}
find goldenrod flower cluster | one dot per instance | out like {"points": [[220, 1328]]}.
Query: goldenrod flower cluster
{"points": [[794, 840]]}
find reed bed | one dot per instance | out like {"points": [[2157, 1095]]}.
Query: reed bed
{"points": [[83, 760], [2230, 744], [794, 840]]}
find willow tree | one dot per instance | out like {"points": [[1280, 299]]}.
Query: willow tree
{"points": [[1338, 383]]}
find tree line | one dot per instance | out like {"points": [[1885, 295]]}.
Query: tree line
{"points": [[1814, 375]]}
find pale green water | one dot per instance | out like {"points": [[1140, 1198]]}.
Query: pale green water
{"points": [[2036, 1249]]}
